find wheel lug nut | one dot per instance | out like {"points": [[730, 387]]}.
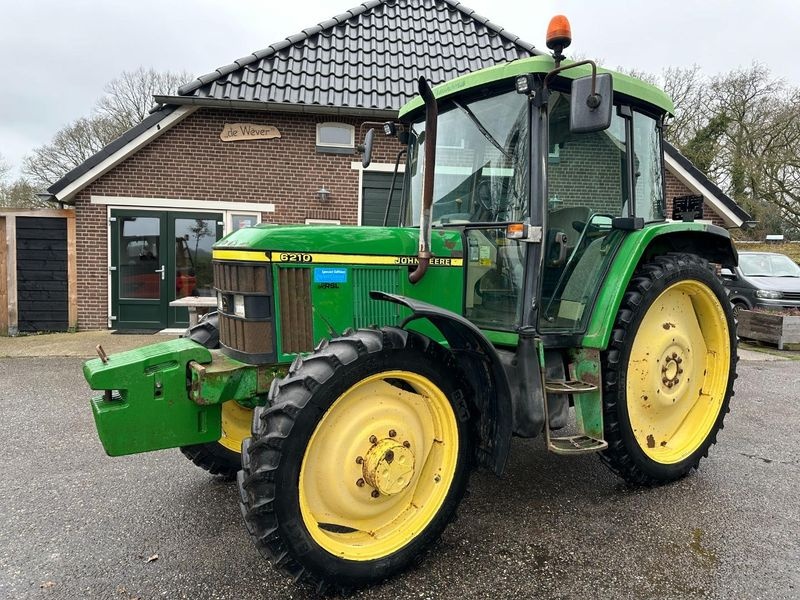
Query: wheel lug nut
{"points": [[674, 355], [677, 381], [680, 370], [360, 482], [375, 493], [359, 460], [669, 384], [407, 444], [665, 380], [373, 439], [392, 433]]}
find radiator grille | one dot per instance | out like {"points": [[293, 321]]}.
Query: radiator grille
{"points": [[294, 287], [241, 278], [368, 312], [791, 295], [251, 337]]}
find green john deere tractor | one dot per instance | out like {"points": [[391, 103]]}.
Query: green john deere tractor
{"points": [[354, 377]]}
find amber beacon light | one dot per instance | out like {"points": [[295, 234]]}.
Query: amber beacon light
{"points": [[559, 36]]}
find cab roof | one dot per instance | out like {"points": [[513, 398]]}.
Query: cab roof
{"points": [[623, 84]]}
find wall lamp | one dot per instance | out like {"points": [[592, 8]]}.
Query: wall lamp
{"points": [[323, 195]]}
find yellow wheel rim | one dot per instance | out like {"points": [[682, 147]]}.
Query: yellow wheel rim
{"points": [[236, 420], [379, 465], [678, 372]]}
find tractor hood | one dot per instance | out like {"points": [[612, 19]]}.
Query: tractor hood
{"points": [[336, 239]]}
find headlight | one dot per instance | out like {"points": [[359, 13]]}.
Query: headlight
{"points": [[769, 294], [238, 305]]}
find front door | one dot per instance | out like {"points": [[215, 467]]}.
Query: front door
{"points": [[157, 257]]}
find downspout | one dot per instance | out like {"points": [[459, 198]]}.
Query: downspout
{"points": [[431, 117]]}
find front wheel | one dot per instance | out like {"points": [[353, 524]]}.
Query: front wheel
{"points": [[669, 370], [360, 460], [223, 457]]}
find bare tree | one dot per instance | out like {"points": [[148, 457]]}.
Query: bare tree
{"points": [[70, 147], [4, 168], [126, 103], [129, 98], [21, 194]]}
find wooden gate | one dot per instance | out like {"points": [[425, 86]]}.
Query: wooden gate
{"points": [[38, 267]]}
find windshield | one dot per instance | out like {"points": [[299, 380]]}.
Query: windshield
{"points": [[481, 162], [768, 265]]}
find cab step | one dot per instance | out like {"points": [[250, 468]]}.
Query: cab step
{"points": [[573, 386], [586, 399]]}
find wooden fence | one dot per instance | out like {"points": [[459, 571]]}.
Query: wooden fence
{"points": [[38, 271]]}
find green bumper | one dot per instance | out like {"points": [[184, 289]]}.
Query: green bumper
{"points": [[146, 404]]}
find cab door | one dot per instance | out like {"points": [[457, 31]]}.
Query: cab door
{"points": [[587, 187]]}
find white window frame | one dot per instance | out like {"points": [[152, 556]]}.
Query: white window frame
{"points": [[348, 126], [239, 213]]}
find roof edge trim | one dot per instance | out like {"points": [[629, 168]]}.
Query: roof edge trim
{"points": [[283, 107], [77, 179]]}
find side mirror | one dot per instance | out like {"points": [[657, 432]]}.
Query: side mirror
{"points": [[726, 273], [591, 111], [367, 158]]}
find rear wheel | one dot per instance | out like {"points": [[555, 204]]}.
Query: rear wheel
{"points": [[360, 461], [669, 370]]}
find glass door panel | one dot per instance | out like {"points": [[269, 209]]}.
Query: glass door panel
{"points": [[194, 239], [138, 266], [141, 263], [495, 268]]}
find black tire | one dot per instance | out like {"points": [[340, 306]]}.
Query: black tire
{"points": [[214, 458], [737, 306], [626, 456], [211, 456], [269, 482]]}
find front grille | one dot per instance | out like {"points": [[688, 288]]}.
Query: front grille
{"points": [[294, 287], [368, 312], [241, 278], [250, 338], [791, 295]]}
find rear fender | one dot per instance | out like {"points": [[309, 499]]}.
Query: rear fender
{"points": [[703, 239], [483, 369]]}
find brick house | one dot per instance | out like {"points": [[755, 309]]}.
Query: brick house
{"points": [[150, 205]]}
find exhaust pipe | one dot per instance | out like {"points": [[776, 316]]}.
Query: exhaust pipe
{"points": [[431, 118]]}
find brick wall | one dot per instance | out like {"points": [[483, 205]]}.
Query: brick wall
{"points": [[676, 189], [190, 162]]}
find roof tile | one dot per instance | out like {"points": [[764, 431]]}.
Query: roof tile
{"points": [[367, 57]]}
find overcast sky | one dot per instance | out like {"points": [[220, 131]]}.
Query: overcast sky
{"points": [[56, 55]]}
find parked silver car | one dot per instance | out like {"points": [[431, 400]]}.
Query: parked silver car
{"points": [[763, 280]]}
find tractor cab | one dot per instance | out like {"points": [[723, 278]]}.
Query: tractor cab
{"points": [[541, 201]]}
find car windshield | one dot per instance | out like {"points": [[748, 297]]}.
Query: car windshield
{"points": [[481, 162], [768, 265]]}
